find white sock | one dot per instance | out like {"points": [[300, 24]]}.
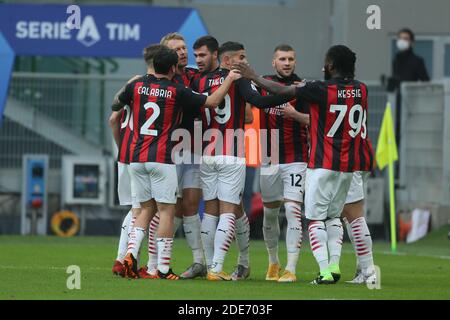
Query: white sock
{"points": [[192, 227], [176, 224], [208, 233], [131, 225], [348, 227], [293, 234], [243, 240], [318, 239], [271, 232], [123, 240], [362, 242], [135, 240], [152, 262], [335, 233], [164, 253], [224, 236]]}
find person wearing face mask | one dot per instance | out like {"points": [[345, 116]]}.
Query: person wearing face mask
{"points": [[407, 66]]}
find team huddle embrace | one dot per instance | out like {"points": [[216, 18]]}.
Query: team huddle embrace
{"points": [[316, 152]]}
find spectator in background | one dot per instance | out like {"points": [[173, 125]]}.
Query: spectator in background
{"points": [[407, 66]]}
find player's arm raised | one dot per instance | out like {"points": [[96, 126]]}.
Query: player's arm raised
{"points": [[271, 86], [251, 95], [217, 97]]}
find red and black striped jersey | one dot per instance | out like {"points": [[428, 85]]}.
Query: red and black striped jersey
{"points": [[186, 78], [189, 115], [292, 136], [338, 128], [125, 135], [156, 105], [228, 118]]}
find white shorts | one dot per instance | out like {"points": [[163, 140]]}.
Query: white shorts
{"points": [[153, 180], [287, 181], [188, 177], [223, 177], [356, 191], [124, 186], [325, 193]]}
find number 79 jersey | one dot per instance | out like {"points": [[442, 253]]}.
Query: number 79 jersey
{"points": [[338, 129]]}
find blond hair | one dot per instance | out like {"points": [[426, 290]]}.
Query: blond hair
{"points": [[171, 36]]}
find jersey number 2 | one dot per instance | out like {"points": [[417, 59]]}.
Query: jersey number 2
{"points": [[145, 129]]}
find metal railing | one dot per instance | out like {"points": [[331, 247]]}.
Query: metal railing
{"points": [[76, 103]]}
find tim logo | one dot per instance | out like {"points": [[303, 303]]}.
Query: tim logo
{"points": [[88, 32]]}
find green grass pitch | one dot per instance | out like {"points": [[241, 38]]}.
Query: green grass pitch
{"points": [[35, 268]]}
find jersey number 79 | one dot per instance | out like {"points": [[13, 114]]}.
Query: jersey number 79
{"points": [[357, 127]]}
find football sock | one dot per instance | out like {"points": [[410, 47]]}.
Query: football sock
{"points": [[222, 241], [131, 225], [318, 239], [135, 240], [208, 233], [192, 227], [123, 240], [152, 248], [271, 233], [293, 234], [335, 234], [362, 242], [164, 253], [243, 240]]}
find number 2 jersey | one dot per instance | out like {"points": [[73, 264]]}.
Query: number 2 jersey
{"points": [[228, 118], [338, 124], [156, 107]]}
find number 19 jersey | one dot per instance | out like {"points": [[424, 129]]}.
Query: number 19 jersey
{"points": [[338, 129], [229, 115]]}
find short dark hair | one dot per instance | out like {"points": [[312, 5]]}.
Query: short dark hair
{"points": [[230, 46], [149, 53], [164, 59], [343, 60], [409, 32], [283, 47], [209, 41]]}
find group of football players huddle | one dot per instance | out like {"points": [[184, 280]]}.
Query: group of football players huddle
{"points": [[317, 152]]}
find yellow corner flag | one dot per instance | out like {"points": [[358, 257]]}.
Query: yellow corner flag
{"points": [[386, 155], [386, 146]]}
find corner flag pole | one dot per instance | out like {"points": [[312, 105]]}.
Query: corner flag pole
{"points": [[392, 206], [391, 144], [386, 154]]}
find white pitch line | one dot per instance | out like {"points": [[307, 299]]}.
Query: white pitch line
{"points": [[46, 268], [406, 254]]}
